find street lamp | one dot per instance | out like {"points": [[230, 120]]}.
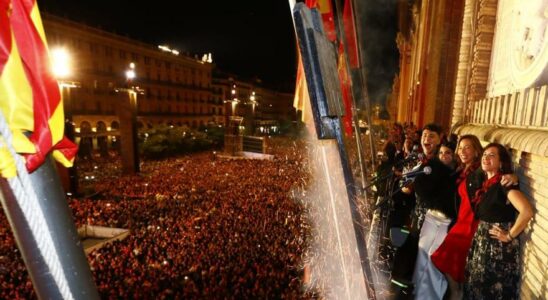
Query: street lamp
{"points": [[127, 113], [132, 90], [130, 72], [251, 117], [253, 101], [61, 63], [234, 100]]}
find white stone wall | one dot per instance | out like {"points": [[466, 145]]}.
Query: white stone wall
{"points": [[520, 60], [533, 172], [520, 49]]}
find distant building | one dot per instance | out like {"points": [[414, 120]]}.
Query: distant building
{"points": [[264, 110], [175, 89]]}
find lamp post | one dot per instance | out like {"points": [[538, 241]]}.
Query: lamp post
{"points": [[127, 113], [234, 99], [232, 102], [62, 70], [253, 101], [250, 116], [233, 139]]}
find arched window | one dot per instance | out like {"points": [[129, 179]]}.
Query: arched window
{"points": [[85, 127], [115, 125], [101, 126]]}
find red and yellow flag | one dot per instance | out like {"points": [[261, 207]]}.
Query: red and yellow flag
{"points": [[302, 98], [350, 35], [346, 91], [29, 94]]}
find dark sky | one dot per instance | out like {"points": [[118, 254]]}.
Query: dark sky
{"points": [[247, 38], [250, 38], [378, 19]]}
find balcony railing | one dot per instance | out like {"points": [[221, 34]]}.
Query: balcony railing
{"points": [[527, 108]]}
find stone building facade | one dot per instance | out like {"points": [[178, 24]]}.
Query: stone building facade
{"points": [[174, 89], [264, 110]]}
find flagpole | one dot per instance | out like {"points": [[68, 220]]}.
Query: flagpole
{"points": [[351, 75], [362, 78], [35, 203], [62, 230], [359, 231], [41, 278]]}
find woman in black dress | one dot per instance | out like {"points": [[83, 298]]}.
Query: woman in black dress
{"points": [[493, 261]]}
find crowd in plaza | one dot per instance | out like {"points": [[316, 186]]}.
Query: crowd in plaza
{"points": [[201, 226], [205, 226]]}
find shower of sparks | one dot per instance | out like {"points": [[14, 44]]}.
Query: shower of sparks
{"points": [[336, 223], [333, 260]]}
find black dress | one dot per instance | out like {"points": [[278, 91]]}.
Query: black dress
{"points": [[492, 267]]}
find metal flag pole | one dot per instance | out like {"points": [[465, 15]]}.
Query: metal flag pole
{"points": [[352, 74], [44, 230]]}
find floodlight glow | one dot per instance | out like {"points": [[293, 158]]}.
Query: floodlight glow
{"points": [[60, 62], [130, 74]]}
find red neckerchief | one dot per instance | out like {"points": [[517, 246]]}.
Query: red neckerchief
{"points": [[484, 187], [464, 173]]}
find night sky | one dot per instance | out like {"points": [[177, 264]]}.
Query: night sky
{"points": [[248, 38]]}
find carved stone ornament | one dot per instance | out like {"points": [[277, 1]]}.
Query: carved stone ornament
{"points": [[530, 43]]}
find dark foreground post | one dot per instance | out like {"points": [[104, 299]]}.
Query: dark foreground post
{"points": [[68, 246]]}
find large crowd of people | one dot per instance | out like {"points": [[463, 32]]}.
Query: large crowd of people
{"points": [[201, 226], [204, 226]]}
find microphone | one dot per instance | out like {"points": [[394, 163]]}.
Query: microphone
{"points": [[414, 173]]}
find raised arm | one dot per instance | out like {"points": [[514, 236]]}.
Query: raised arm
{"points": [[525, 213], [508, 180]]}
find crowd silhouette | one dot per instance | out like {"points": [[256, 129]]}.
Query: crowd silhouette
{"points": [[201, 226]]}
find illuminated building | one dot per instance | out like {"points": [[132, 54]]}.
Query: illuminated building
{"points": [[175, 89]]}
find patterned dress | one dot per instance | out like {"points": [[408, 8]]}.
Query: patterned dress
{"points": [[492, 266], [492, 269]]}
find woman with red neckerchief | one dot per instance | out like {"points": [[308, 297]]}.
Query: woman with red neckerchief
{"points": [[450, 257], [493, 260]]}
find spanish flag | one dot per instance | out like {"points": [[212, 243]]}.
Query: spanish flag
{"points": [[302, 98], [30, 98]]}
